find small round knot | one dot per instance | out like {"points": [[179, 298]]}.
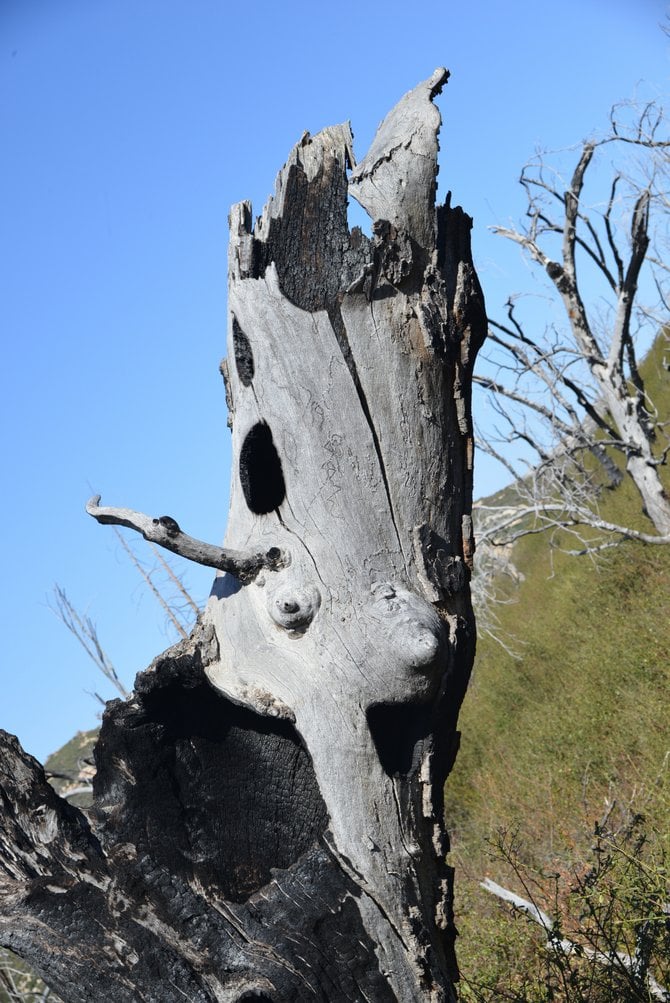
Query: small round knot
{"points": [[289, 605], [170, 525], [293, 607]]}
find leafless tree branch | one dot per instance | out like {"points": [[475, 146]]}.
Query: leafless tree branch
{"points": [[165, 531], [577, 395], [86, 633]]}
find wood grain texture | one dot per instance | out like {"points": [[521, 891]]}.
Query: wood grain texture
{"points": [[268, 808], [362, 355]]}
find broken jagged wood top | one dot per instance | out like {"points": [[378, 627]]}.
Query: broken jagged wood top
{"points": [[348, 371], [395, 181], [348, 379]]}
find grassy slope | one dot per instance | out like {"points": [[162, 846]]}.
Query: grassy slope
{"points": [[582, 717]]}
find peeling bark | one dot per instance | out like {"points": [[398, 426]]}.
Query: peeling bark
{"points": [[268, 813]]}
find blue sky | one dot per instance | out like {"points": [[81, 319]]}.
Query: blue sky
{"points": [[127, 129]]}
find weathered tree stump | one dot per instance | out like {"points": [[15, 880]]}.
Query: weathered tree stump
{"points": [[268, 816]]}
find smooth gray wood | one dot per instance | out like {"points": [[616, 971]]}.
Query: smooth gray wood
{"points": [[268, 807], [364, 384]]}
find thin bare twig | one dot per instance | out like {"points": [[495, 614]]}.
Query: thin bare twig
{"points": [[86, 633]]}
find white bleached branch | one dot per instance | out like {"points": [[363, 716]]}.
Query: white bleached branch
{"points": [[166, 532], [564, 946]]}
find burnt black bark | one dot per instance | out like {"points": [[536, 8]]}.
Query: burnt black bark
{"points": [[203, 863], [267, 820]]}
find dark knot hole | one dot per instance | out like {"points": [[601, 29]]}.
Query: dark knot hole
{"points": [[261, 472]]}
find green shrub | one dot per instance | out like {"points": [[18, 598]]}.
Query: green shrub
{"points": [[598, 932]]}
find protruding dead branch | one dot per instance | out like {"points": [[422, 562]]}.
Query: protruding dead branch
{"points": [[165, 531]]}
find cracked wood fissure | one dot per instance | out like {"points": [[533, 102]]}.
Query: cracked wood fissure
{"points": [[268, 815]]}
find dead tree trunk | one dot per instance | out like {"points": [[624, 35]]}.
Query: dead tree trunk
{"points": [[268, 817]]}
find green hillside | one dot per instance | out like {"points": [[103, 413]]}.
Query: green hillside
{"points": [[580, 722]]}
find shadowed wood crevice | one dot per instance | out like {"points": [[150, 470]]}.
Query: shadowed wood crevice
{"points": [[244, 356], [397, 732], [208, 812], [189, 756], [260, 470]]}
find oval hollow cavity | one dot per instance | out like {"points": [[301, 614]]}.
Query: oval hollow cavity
{"points": [[244, 357], [261, 472]]}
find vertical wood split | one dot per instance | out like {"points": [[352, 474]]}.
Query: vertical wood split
{"points": [[362, 353], [268, 805]]}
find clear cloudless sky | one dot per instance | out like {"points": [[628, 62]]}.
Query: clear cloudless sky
{"points": [[127, 129]]}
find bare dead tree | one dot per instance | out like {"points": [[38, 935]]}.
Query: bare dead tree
{"points": [[573, 394], [268, 816], [494, 584]]}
